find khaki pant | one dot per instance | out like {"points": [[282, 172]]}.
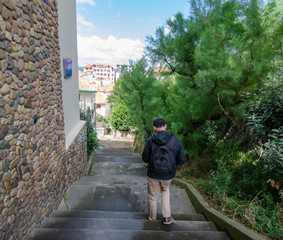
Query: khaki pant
{"points": [[154, 186]]}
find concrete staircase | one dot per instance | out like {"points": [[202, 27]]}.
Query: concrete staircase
{"points": [[112, 204]]}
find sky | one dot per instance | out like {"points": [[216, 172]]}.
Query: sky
{"points": [[114, 31]]}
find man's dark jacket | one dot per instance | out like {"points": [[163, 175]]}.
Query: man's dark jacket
{"points": [[161, 138]]}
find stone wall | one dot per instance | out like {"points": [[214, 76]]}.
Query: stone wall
{"points": [[35, 167]]}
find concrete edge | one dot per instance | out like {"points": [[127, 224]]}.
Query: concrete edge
{"points": [[90, 161], [70, 137], [234, 229]]}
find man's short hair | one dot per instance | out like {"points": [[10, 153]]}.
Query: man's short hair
{"points": [[159, 122]]}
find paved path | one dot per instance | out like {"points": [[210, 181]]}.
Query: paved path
{"points": [[111, 204]]}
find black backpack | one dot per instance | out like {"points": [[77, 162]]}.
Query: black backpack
{"points": [[162, 160]]}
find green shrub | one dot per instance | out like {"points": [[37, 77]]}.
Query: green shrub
{"points": [[119, 117], [261, 213], [238, 185], [100, 118], [92, 140], [273, 155]]}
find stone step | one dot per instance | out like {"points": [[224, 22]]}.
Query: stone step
{"points": [[125, 224], [112, 183], [105, 158], [114, 178], [117, 168], [122, 197], [90, 234], [116, 152], [129, 180], [119, 215]]}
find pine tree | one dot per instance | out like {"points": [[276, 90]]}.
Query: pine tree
{"points": [[221, 51], [139, 91]]}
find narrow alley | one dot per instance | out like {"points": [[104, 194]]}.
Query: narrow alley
{"points": [[111, 203]]}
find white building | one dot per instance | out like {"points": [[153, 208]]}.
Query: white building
{"points": [[94, 96], [104, 73], [87, 91]]}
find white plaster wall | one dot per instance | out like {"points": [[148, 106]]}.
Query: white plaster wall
{"points": [[101, 111], [86, 100], [68, 48]]}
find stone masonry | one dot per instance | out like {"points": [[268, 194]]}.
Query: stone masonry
{"points": [[35, 167]]}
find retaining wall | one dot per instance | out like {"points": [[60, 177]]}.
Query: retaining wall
{"points": [[35, 166]]}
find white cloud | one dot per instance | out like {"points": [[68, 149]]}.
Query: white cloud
{"points": [[166, 30], [111, 50], [91, 2], [110, 3], [82, 21]]}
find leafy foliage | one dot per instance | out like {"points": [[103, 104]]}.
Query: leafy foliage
{"points": [[92, 140], [265, 119], [273, 155], [260, 213], [119, 117], [139, 92], [222, 50], [100, 118], [264, 112]]}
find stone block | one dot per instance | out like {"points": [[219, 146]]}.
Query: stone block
{"points": [[3, 131], [3, 54], [4, 145], [9, 137], [14, 192], [3, 65], [14, 163], [7, 187], [5, 89], [7, 109], [5, 13], [26, 176], [11, 4], [11, 219]]}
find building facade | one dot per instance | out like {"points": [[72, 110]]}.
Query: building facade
{"points": [[42, 140], [101, 72]]}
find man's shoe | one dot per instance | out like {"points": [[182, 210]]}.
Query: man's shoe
{"points": [[168, 220]]}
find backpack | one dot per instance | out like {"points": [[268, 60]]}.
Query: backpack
{"points": [[162, 160]]}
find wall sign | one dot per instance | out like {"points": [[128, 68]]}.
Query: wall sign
{"points": [[67, 67]]}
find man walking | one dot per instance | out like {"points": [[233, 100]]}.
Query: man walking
{"points": [[163, 152]]}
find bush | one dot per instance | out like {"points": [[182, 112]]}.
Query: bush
{"points": [[242, 175], [238, 185], [100, 118], [119, 117], [260, 213], [92, 140]]}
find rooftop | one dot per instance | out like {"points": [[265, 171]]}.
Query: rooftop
{"points": [[100, 98], [108, 88], [86, 85]]}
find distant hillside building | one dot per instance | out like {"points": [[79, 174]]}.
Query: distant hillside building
{"points": [[101, 72], [93, 95], [87, 92]]}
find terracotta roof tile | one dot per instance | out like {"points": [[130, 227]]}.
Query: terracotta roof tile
{"points": [[100, 98], [108, 88], [85, 85]]}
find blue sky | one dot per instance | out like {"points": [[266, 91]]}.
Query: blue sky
{"points": [[114, 31]]}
